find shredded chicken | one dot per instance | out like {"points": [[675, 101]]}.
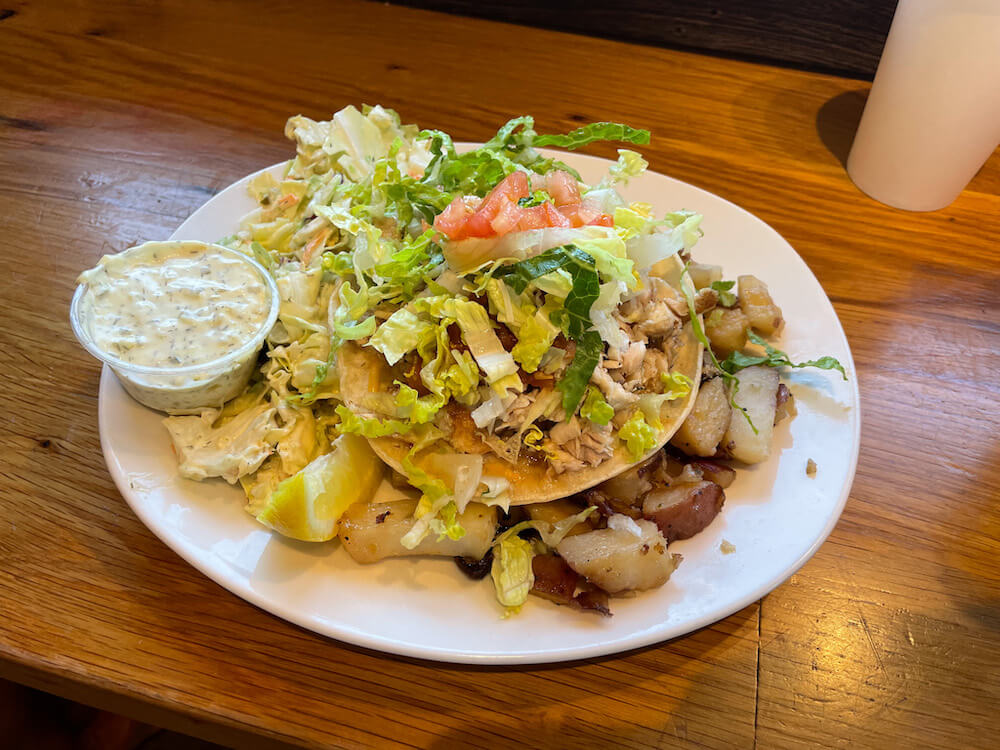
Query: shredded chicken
{"points": [[656, 310], [633, 358], [613, 392], [576, 444]]}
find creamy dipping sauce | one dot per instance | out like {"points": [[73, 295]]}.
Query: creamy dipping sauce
{"points": [[174, 306]]}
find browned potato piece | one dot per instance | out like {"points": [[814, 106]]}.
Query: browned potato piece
{"points": [[682, 510], [703, 274], [636, 481], [726, 329], [700, 433], [757, 305], [721, 474], [372, 532], [555, 511], [757, 395], [554, 579], [785, 403], [616, 559]]}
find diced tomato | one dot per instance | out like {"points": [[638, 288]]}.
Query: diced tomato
{"points": [[452, 220], [499, 212], [507, 217], [533, 218], [604, 220], [513, 187], [554, 217], [563, 188]]}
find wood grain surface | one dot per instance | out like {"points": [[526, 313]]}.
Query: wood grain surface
{"points": [[117, 121]]}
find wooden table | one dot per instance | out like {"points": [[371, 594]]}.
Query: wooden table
{"points": [[117, 122]]}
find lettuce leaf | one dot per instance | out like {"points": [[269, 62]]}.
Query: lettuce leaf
{"points": [[596, 131], [639, 437], [370, 427], [589, 349], [776, 358], [401, 333], [511, 572], [676, 385], [595, 408], [630, 164], [726, 297], [535, 337]]}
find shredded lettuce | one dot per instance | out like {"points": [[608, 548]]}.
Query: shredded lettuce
{"points": [[676, 385], [536, 336], [639, 437], [401, 333], [370, 427], [573, 383], [597, 131], [512, 556], [511, 572], [417, 409], [630, 164], [595, 408], [775, 358]]}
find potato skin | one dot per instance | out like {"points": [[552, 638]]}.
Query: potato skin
{"points": [[721, 474], [756, 303], [726, 329], [701, 432], [617, 560], [368, 539], [757, 395], [682, 510]]}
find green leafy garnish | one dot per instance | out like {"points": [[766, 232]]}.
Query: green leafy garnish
{"points": [[537, 198], [589, 349], [726, 297], [596, 131], [775, 358], [573, 317], [676, 385], [639, 437], [370, 427], [595, 408], [518, 275]]}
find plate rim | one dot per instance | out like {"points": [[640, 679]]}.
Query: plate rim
{"points": [[380, 644]]}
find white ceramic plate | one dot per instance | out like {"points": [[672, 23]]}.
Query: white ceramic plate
{"points": [[775, 515]]}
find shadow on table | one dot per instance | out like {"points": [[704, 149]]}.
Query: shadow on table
{"points": [[837, 121]]}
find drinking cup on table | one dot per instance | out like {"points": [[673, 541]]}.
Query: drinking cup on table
{"points": [[933, 115]]}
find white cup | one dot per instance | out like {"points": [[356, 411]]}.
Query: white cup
{"points": [[933, 114]]}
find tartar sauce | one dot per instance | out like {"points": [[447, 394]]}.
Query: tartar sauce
{"points": [[173, 305]]}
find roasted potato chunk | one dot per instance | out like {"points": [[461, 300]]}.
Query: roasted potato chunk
{"points": [[702, 274], [701, 432], [616, 559], [726, 329], [682, 510], [756, 303], [757, 396], [373, 532], [721, 474]]}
